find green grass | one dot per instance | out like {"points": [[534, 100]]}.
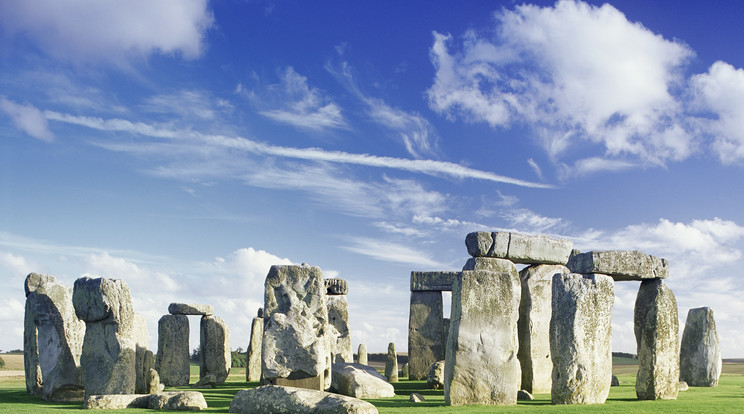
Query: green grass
{"points": [[727, 397]]}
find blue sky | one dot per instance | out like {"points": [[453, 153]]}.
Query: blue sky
{"points": [[187, 146]]}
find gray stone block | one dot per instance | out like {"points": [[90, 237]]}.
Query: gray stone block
{"points": [[432, 281], [425, 333], [622, 265], [190, 309], [253, 363], [519, 248], [391, 364], [700, 354], [173, 358], [216, 355], [273, 399]]}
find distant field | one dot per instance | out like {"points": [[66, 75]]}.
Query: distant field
{"points": [[13, 362]]}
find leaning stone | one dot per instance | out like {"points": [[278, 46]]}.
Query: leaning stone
{"points": [[481, 363], [207, 381], [336, 286], [683, 386], [435, 376], [700, 353], [534, 326], [274, 399], [338, 328], [190, 309], [52, 339], [109, 348], [657, 335], [362, 354], [173, 362], [360, 381], [391, 364], [519, 248], [436, 281], [580, 338], [622, 265], [425, 333], [178, 400], [416, 398], [215, 355], [523, 395], [296, 349], [253, 359], [615, 381], [116, 401]]}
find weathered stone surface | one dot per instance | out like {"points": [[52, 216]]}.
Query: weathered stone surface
{"points": [[580, 338], [273, 399], [700, 353], [253, 359], [435, 376], [52, 338], [416, 398], [178, 400], [116, 401], [190, 309], [519, 248], [436, 281], [109, 348], [391, 364], [216, 356], [360, 381], [362, 354], [535, 309], [657, 335], [336, 286], [141, 339], [338, 329], [153, 382], [490, 264], [481, 363], [173, 360], [524, 395], [425, 332], [620, 264], [295, 343]]}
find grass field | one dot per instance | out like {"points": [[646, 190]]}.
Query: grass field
{"points": [[727, 397]]}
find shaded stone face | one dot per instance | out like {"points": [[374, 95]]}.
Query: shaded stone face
{"points": [[622, 265], [580, 338], [253, 368], [425, 333], [519, 248], [481, 365], [432, 281], [338, 328], [657, 335], [190, 309], [336, 286], [173, 360], [700, 353], [216, 356], [535, 310]]}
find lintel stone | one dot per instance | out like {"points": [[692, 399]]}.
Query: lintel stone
{"points": [[519, 248], [190, 309], [438, 281], [621, 265]]}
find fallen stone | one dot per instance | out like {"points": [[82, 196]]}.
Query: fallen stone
{"points": [[362, 357], [436, 281], [523, 395], [253, 359], [52, 339], [391, 364], [683, 386], [173, 361], [416, 398], [273, 399], [700, 352], [296, 348], [116, 401], [190, 309], [360, 381], [657, 335], [425, 333], [207, 381], [178, 400], [336, 286], [615, 381], [534, 326], [338, 328], [580, 338], [519, 248], [481, 366], [215, 355], [622, 265], [435, 376]]}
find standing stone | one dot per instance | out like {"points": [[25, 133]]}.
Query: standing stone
{"points": [[296, 350], [391, 364], [362, 354], [481, 365], [53, 339], [216, 356], [173, 361], [425, 332], [535, 310], [109, 348], [338, 328], [141, 338], [657, 334], [700, 354], [253, 363], [580, 338]]}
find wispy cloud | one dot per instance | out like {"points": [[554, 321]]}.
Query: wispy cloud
{"points": [[187, 104], [393, 252], [27, 118]]}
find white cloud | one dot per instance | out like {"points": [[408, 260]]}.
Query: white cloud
{"points": [[527, 221], [187, 104], [574, 72], [593, 165], [110, 30], [27, 118], [16, 265], [721, 92], [301, 105], [535, 167]]}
